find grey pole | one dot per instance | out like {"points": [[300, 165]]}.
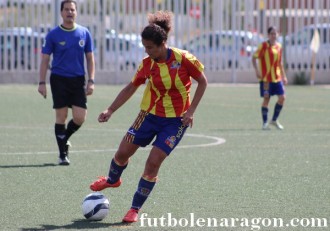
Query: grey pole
{"points": [[57, 12]]}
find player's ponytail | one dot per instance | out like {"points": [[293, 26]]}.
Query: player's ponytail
{"points": [[158, 28]]}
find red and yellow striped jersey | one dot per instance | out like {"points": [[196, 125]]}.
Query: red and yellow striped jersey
{"points": [[270, 58], [167, 93]]}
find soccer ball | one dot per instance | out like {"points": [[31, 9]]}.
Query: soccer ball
{"points": [[95, 206]]}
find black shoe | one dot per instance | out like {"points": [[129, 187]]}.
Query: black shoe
{"points": [[63, 160]]}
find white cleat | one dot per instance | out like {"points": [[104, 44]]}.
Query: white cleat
{"points": [[277, 125], [265, 126]]}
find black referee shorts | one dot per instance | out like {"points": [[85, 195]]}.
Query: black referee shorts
{"points": [[68, 91]]}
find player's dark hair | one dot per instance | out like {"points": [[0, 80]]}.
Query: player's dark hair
{"points": [[67, 1], [270, 29], [158, 28]]}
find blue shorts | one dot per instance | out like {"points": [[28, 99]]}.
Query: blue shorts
{"points": [[271, 89], [168, 131]]}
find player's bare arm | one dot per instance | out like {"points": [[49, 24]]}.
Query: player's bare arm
{"points": [[285, 80], [188, 116], [254, 63], [42, 89], [91, 73], [121, 99]]}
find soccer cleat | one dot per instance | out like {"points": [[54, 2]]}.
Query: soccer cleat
{"points": [[102, 183], [277, 124], [265, 126], [63, 160], [67, 145], [131, 216]]}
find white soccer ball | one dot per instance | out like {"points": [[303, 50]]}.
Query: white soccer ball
{"points": [[95, 206]]}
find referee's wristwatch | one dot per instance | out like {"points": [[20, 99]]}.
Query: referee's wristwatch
{"points": [[91, 81]]}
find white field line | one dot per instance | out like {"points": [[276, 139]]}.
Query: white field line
{"points": [[214, 142]]}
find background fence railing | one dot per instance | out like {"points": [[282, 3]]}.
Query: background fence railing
{"points": [[222, 33]]}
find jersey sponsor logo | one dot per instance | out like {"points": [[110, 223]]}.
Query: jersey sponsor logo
{"points": [[170, 141], [82, 43], [175, 65], [62, 43], [180, 131]]}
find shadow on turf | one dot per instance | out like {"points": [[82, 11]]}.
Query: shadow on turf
{"points": [[29, 165], [80, 224]]}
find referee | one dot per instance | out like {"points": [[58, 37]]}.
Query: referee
{"points": [[68, 43]]}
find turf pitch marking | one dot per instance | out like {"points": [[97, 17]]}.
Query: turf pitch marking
{"points": [[214, 142]]}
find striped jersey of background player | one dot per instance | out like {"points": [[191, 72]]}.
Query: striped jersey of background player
{"points": [[271, 75]]}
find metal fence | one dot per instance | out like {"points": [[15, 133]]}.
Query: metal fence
{"points": [[222, 33]]}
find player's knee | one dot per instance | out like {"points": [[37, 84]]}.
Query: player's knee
{"points": [[152, 167], [121, 158], [79, 120], [281, 99], [61, 117]]}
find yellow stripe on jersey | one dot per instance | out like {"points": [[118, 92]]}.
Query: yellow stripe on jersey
{"points": [[179, 84], [168, 87], [269, 61], [167, 81], [146, 100]]}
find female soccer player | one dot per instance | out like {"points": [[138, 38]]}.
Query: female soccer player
{"points": [[271, 75], [166, 110]]}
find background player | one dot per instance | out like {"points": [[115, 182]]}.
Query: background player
{"points": [[271, 75]]}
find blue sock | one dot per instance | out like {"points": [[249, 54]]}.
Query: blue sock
{"points": [[277, 111], [144, 189], [264, 113], [115, 171]]}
